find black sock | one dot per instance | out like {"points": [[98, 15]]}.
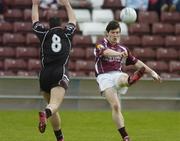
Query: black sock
{"points": [[48, 113], [58, 134], [123, 132]]}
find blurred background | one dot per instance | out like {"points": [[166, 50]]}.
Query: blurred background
{"points": [[154, 38]]}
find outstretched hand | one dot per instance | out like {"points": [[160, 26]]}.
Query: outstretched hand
{"points": [[156, 77]]}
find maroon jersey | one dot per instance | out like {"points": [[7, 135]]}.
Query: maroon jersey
{"points": [[105, 64]]}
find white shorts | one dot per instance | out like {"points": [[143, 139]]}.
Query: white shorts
{"points": [[109, 80]]}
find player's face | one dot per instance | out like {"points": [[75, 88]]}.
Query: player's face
{"points": [[114, 36]]}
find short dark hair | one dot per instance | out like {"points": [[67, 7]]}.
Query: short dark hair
{"points": [[112, 25], [54, 22]]}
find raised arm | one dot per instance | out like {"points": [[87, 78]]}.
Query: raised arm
{"points": [[70, 12], [35, 11]]}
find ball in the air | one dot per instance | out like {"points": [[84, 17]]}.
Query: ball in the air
{"points": [[128, 15]]}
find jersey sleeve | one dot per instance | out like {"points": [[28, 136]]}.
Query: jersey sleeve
{"points": [[101, 46], [131, 60], [99, 49], [69, 29], [39, 29]]}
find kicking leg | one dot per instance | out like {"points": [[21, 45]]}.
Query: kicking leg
{"points": [[136, 76], [125, 81]]}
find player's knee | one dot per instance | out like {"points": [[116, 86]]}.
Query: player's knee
{"points": [[122, 81], [54, 107], [116, 107]]}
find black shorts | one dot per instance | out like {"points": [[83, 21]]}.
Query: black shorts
{"points": [[52, 76]]}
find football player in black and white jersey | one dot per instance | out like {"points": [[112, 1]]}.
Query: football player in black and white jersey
{"points": [[55, 49]]}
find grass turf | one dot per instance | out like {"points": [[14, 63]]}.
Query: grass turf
{"points": [[91, 126]]}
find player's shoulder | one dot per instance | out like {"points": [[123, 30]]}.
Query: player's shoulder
{"points": [[101, 43], [70, 26], [38, 26], [69, 29]]}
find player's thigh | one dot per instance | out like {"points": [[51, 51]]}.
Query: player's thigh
{"points": [[121, 79], [105, 81], [112, 96], [57, 95]]}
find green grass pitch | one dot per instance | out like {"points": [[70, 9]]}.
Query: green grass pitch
{"points": [[91, 126]]}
